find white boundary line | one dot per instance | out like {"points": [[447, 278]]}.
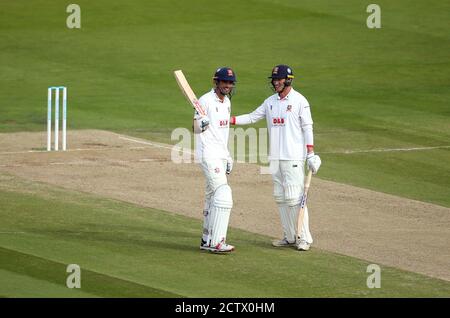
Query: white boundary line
{"points": [[327, 152], [177, 148], [346, 152], [69, 150], [145, 143]]}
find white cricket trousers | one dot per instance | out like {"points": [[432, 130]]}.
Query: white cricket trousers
{"points": [[288, 181]]}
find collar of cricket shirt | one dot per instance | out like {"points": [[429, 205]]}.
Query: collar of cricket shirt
{"points": [[287, 96]]}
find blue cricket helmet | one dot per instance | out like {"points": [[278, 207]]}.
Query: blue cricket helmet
{"points": [[282, 71], [224, 74]]}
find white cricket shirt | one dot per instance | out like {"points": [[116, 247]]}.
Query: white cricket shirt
{"points": [[213, 142], [287, 121]]}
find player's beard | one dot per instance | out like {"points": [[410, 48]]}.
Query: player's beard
{"points": [[227, 92], [274, 88]]}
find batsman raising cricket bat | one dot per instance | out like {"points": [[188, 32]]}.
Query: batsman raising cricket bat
{"points": [[291, 145], [211, 125]]}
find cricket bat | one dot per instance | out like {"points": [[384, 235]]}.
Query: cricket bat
{"points": [[301, 213], [188, 92]]}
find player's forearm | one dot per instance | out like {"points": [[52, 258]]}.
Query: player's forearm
{"points": [[241, 120], [309, 137]]}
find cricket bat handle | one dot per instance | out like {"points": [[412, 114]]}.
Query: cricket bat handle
{"points": [[307, 181]]}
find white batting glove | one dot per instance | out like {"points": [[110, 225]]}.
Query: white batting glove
{"points": [[204, 123], [313, 161], [201, 123], [229, 165]]}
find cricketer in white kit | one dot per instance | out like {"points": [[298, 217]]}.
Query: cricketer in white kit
{"points": [[212, 153], [290, 126]]}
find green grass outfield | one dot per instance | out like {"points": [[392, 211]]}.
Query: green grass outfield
{"points": [[370, 89], [129, 251]]}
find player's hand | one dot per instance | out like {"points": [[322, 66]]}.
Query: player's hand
{"points": [[201, 123], [204, 123], [229, 165], [313, 161]]}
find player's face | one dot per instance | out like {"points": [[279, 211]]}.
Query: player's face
{"points": [[225, 87], [278, 84]]}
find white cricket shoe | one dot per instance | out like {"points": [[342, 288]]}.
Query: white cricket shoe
{"points": [[282, 243], [302, 245], [222, 247]]}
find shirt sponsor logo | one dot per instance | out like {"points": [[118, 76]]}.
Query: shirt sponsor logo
{"points": [[223, 123], [278, 121]]}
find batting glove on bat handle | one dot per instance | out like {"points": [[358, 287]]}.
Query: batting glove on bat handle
{"points": [[229, 165], [313, 161], [201, 123], [204, 123]]}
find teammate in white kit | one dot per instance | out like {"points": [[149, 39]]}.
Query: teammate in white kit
{"points": [[212, 153], [290, 124]]}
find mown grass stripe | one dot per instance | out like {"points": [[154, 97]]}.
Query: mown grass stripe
{"points": [[91, 282]]}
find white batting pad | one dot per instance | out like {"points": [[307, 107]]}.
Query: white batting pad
{"points": [[288, 221], [293, 194], [206, 218], [220, 214]]}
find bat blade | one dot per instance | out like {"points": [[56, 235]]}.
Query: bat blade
{"points": [[188, 92], [301, 212]]}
